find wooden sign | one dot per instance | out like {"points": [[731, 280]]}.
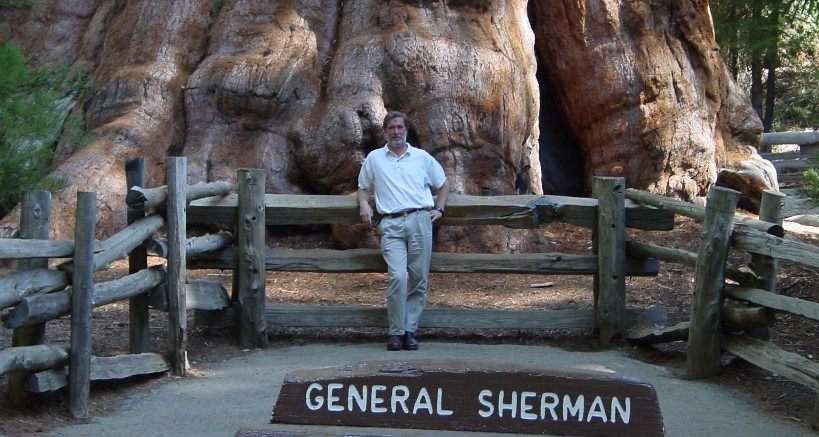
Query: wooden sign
{"points": [[467, 396]]}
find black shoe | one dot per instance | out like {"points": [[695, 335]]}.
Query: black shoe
{"points": [[409, 343], [395, 343]]}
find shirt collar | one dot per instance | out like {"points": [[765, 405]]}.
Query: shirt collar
{"points": [[391, 153]]}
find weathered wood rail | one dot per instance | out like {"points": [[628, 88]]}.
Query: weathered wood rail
{"points": [[462, 210], [739, 324], [36, 294], [790, 166]]}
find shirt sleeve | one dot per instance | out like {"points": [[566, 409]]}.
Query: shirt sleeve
{"points": [[365, 176], [436, 173]]}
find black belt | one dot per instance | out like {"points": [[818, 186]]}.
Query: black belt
{"points": [[405, 212]]}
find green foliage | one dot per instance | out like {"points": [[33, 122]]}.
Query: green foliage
{"points": [[34, 108], [810, 188], [781, 36]]}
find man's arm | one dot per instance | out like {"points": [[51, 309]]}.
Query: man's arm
{"points": [[440, 201], [364, 209]]}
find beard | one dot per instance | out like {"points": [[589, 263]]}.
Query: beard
{"points": [[397, 142]]}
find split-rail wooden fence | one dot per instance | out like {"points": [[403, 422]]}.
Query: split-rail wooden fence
{"points": [[791, 166], [609, 213]]}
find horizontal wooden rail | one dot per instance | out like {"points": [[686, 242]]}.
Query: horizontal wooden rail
{"points": [[769, 357], [697, 212], [741, 274], [773, 138], [775, 301], [102, 369], [42, 308], [526, 211], [20, 284], [752, 240], [371, 260], [21, 248], [146, 198], [33, 358], [359, 317]]}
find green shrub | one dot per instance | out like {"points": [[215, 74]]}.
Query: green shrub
{"points": [[34, 109]]}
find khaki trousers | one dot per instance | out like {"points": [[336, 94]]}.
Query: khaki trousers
{"points": [[406, 244]]}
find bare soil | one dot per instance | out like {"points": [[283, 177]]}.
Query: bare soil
{"points": [[672, 288]]}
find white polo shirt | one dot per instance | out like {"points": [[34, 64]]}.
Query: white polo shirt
{"points": [[403, 182]]}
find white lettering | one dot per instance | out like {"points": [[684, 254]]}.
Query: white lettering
{"points": [[439, 404], [526, 407], [399, 398], [550, 405], [319, 400], [423, 401], [597, 410], [573, 410], [625, 413], [490, 408], [512, 406], [359, 397], [332, 400], [375, 401]]}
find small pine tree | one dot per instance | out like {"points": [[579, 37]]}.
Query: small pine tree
{"points": [[34, 106]]}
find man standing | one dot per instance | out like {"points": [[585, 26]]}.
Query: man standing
{"points": [[402, 177]]}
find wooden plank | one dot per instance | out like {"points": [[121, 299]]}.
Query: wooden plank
{"points": [[772, 138], [776, 301], [122, 243], [34, 224], [370, 260], [697, 212], [741, 274], [444, 395], [21, 284], [752, 240], [147, 198], [334, 316], [770, 210], [709, 276], [610, 306], [138, 314], [20, 248], [653, 335], [251, 244], [102, 369], [79, 388], [526, 211], [194, 246], [177, 316], [44, 307], [33, 358], [200, 294], [770, 357]]}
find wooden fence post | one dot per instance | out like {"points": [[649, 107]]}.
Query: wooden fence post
{"points": [[251, 239], [138, 314], [767, 267], [610, 305], [177, 301], [34, 224], [82, 302], [704, 349]]}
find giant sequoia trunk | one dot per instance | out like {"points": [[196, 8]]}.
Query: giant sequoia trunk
{"points": [[299, 87]]}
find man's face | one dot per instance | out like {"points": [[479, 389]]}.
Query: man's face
{"points": [[396, 132]]}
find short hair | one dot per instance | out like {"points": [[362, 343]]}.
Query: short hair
{"points": [[395, 114]]}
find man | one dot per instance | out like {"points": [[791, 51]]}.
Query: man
{"points": [[402, 178]]}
